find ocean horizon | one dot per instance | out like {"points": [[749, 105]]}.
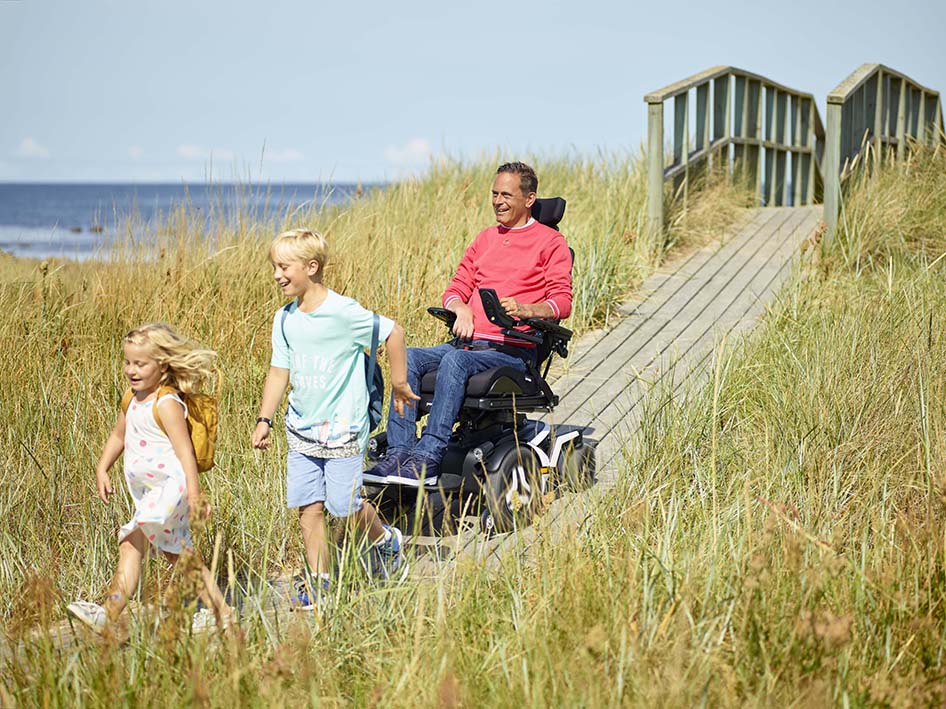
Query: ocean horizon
{"points": [[76, 220]]}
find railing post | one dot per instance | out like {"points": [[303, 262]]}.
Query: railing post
{"points": [[832, 169], [655, 171], [902, 121]]}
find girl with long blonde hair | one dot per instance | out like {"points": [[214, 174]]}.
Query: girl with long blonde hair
{"points": [[160, 468]]}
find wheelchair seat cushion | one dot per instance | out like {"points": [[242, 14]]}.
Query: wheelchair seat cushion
{"points": [[498, 381]]}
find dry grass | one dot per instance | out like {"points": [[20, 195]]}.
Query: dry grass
{"points": [[820, 579]]}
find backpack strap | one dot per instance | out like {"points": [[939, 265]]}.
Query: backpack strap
{"points": [[164, 391], [126, 400], [282, 322], [373, 356]]}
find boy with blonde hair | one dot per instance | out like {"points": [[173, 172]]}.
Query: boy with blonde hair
{"points": [[318, 341]]}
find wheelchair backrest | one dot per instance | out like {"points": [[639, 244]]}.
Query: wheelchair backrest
{"points": [[549, 211]]}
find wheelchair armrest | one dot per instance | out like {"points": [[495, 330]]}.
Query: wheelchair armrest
{"points": [[550, 326], [495, 313], [447, 316]]}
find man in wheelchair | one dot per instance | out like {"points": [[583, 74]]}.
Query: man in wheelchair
{"points": [[529, 266]]}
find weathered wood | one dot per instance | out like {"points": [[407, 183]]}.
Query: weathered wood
{"points": [[721, 108], [681, 143], [685, 85], [832, 169], [879, 116], [741, 106], [760, 154], [702, 137], [655, 170], [902, 120]]}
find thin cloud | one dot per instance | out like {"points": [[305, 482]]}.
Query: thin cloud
{"points": [[136, 152], [416, 153], [29, 148], [197, 152], [285, 155]]}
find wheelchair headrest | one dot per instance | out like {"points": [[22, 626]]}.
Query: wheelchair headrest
{"points": [[549, 211]]}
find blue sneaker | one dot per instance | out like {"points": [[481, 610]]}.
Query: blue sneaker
{"points": [[309, 592], [387, 557], [415, 471], [390, 464]]}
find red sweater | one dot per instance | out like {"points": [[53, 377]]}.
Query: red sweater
{"points": [[531, 264]]}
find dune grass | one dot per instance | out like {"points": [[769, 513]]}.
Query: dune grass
{"points": [[775, 539]]}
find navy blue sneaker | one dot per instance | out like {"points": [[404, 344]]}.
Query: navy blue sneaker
{"points": [[390, 464], [309, 592], [415, 471]]}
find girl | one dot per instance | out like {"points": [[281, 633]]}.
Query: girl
{"points": [[160, 469]]}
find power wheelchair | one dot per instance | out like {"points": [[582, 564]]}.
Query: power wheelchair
{"points": [[499, 465]]}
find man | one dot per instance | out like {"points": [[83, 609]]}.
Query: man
{"points": [[529, 266]]}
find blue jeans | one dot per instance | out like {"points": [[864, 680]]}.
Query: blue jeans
{"points": [[456, 367]]}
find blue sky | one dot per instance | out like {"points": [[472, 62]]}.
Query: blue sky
{"points": [[101, 90]]}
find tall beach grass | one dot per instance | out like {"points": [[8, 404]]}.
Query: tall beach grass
{"points": [[787, 549]]}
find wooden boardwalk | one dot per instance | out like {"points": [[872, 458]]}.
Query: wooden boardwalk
{"points": [[666, 337]]}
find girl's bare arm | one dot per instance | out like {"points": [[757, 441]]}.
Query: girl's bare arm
{"points": [[114, 446]]}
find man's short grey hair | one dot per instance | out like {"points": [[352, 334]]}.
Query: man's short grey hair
{"points": [[528, 182]]}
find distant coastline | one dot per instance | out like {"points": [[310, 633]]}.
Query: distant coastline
{"points": [[76, 220]]}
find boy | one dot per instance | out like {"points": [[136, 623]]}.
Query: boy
{"points": [[318, 343]]}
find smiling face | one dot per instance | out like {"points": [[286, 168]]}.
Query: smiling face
{"points": [[511, 206], [143, 371], [293, 276]]}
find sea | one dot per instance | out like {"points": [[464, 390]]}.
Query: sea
{"points": [[78, 221]]}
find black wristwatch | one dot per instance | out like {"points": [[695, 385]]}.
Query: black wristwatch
{"points": [[263, 419]]}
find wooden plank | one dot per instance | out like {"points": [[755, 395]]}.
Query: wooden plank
{"points": [[915, 96], [768, 154], [879, 117], [901, 119], [831, 169], [721, 108], [847, 133], [757, 104], [702, 116], [655, 170], [681, 144], [740, 107], [684, 85], [754, 110], [796, 122]]}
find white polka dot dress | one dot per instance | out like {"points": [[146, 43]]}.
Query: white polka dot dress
{"points": [[155, 479]]}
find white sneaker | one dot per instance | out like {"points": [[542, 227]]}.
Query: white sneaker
{"points": [[205, 620], [92, 614]]}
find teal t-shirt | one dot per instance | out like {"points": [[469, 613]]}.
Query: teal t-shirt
{"points": [[322, 350]]}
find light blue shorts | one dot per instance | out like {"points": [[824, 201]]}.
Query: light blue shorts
{"points": [[334, 481]]}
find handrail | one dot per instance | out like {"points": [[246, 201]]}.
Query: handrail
{"points": [[764, 121], [879, 107]]}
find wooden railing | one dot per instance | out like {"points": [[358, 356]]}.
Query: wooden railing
{"points": [[879, 109], [776, 135]]}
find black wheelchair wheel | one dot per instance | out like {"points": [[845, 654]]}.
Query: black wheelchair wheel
{"points": [[576, 467], [514, 491]]}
